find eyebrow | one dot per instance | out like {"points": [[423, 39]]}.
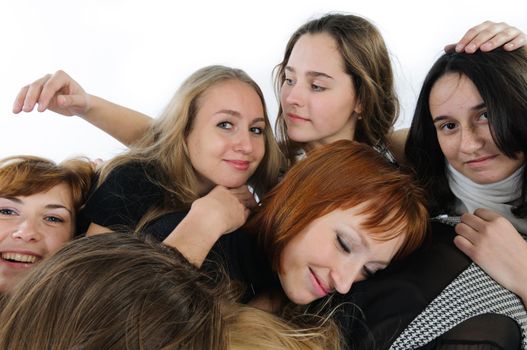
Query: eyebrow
{"points": [[237, 114], [474, 108], [48, 206], [311, 73]]}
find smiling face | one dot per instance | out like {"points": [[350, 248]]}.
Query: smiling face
{"points": [[31, 229], [226, 143], [460, 118], [318, 97], [330, 254]]}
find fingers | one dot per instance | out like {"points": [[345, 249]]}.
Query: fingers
{"points": [[465, 246], [488, 36], [52, 87]]}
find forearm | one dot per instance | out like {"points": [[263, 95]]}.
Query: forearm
{"points": [[194, 237], [124, 124]]}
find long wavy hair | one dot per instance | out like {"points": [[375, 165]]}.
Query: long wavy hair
{"points": [[366, 61], [163, 147]]}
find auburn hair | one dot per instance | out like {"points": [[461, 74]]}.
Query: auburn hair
{"points": [[343, 175]]}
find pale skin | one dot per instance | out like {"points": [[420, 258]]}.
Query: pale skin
{"points": [[493, 243]]}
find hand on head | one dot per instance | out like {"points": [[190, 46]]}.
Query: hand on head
{"points": [[488, 36]]}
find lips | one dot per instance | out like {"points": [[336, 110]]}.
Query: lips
{"points": [[241, 165], [321, 289], [296, 118], [480, 161]]}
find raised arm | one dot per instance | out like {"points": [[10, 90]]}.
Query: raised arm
{"points": [[488, 36], [493, 243], [63, 95]]}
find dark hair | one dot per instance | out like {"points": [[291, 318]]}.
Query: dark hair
{"points": [[501, 80], [366, 61]]}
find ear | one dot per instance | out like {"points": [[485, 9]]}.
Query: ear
{"points": [[358, 108]]}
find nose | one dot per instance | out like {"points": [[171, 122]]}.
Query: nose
{"points": [[244, 142], [27, 231], [344, 276], [471, 141], [294, 95]]}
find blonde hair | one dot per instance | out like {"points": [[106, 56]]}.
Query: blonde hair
{"points": [[164, 145], [251, 328]]}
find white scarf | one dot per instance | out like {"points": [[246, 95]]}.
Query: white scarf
{"points": [[499, 196]]}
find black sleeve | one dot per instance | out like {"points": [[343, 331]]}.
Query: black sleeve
{"points": [[238, 253], [123, 198], [483, 332]]}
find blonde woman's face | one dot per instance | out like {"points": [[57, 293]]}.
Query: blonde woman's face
{"points": [[227, 143], [31, 229], [318, 98]]}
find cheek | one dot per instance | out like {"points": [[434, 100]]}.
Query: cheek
{"points": [[449, 147], [55, 241]]}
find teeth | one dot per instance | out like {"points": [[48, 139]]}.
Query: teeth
{"points": [[17, 257]]}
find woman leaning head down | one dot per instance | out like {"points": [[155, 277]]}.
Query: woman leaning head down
{"points": [[339, 216]]}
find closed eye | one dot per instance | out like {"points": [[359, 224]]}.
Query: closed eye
{"points": [[343, 245]]}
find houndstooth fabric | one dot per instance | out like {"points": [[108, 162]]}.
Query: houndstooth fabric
{"points": [[472, 293]]}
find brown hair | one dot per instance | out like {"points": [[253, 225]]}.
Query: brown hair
{"points": [[27, 175], [343, 175], [366, 61], [115, 291]]}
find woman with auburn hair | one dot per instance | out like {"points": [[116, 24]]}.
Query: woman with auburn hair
{"points": [[114, 291], [39, 201]]}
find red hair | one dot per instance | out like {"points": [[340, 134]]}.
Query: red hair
{"points": [[343, 175]]}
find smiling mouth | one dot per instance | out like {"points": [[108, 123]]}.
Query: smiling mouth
{"points": [[322, 289], [19, 258]]}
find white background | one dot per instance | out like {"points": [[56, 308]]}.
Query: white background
{"points": [[136, 53]]}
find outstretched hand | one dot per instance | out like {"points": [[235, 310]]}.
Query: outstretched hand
{"points": [[58, 93]]}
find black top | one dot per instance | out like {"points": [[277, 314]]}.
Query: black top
{"points": [[123, 198]]}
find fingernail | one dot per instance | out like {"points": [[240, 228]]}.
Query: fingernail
{"points": [[471, 48], [459, 47], [509, 46]]}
